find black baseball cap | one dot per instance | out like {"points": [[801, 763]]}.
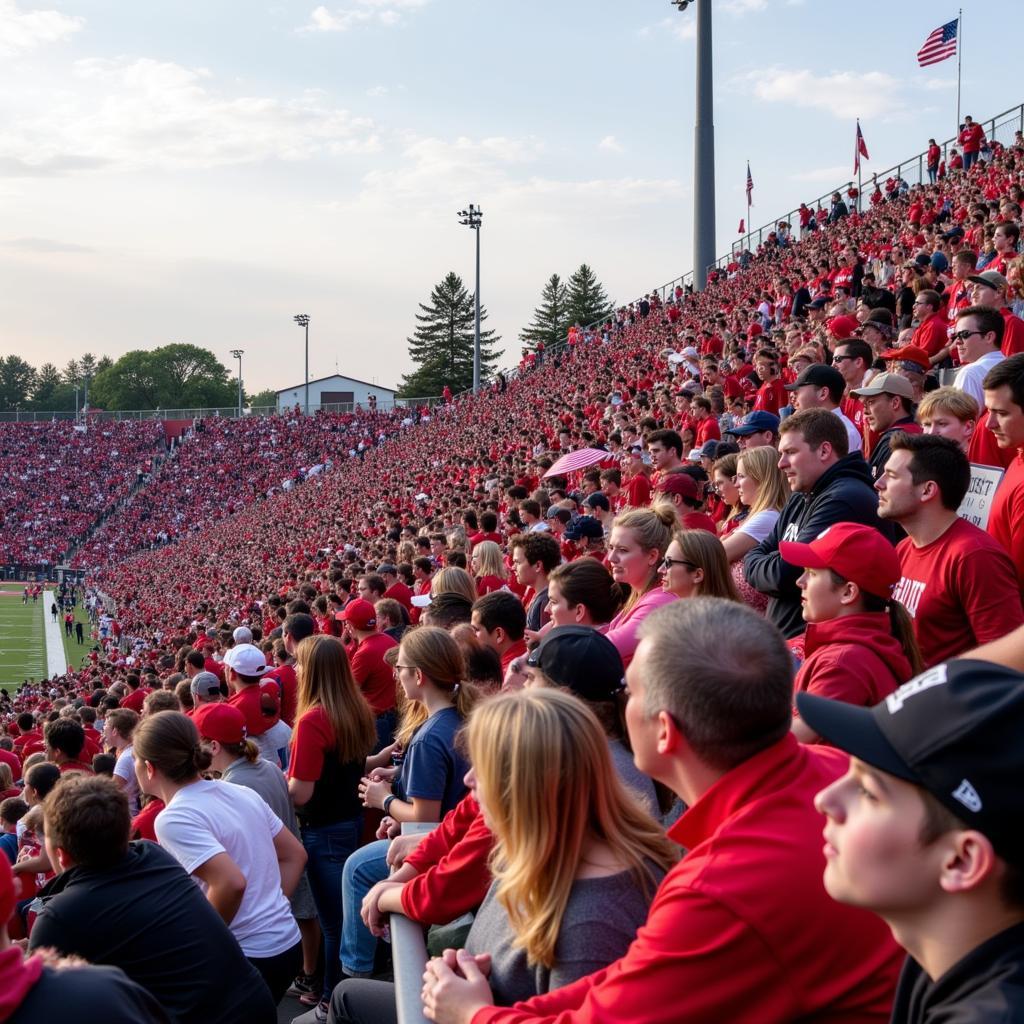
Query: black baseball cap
{"points": [[598, 500], [585, 526], [582, 660], [820, 376], [955, 731]]}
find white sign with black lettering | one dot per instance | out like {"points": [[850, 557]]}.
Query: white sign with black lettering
{"points": [[977, 503]]}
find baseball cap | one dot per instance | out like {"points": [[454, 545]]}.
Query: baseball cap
{"points": [[242, 635], [582, 660], [992, 278], [757, 421], [695, 455], [842, 327], [586, 527], [597, 500], [246, 660], [678, 483], [886, 384], [691, 352], [954, 731], [221, 722], [709, 449], [913, 354], [388, 568], [820, 376], [359, 614], [204, 684], [419, 601], [858, 553]]}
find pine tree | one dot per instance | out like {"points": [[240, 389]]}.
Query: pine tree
{"points": [[587, 302], [551, 318], [442, 344]]}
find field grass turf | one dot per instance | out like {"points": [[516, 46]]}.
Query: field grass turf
{"points": [[75, 653], [22, 640]]}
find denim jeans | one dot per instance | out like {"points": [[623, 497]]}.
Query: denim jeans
{"points": [[969, 159], [363, 870], [933, 173], [329, 848]]}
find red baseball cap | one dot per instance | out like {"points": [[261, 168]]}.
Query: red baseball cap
{"points": [[678, 483], [909, 354], [221, 722], [360, 614], [858, 553], [841, 327]]}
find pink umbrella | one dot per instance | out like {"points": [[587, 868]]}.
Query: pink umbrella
{"points": [[580, 459]]}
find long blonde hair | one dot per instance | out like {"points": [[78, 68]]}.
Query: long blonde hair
{"points": [[326, 681], [549, 788], [453, 580], [491, 561], [433, 651], [704, 550], [762, 466], [653, 528]]}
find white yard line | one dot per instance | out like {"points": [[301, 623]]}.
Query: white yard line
{"points": [[56, 662]]}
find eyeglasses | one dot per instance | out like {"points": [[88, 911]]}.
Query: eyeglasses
{"points": [[667, 563], [963, 335], [840, 359]]}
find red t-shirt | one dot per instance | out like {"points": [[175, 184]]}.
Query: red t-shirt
{"points": [[771, 396], [1004, 522], [144, 823], [489, 584], [707, 430], [289, 687], [698, 521], [373, 673], [135, 699], [401, 593], [249, 700], [313, 735], [1013, 333], [7, 757], [637, 490], [961, 590], [931, 335]]}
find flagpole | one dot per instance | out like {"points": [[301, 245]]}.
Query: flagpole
{"points": [[959, 53], [856, 146], [750, 227]]}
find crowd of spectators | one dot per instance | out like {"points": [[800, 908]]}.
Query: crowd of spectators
{"points": [[785, 597]]}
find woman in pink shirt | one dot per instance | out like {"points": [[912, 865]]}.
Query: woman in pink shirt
{"points": [[640, 537]]}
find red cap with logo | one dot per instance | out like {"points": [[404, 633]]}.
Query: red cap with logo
{"points": [[858, 553], [360, 614], [221, 722]]}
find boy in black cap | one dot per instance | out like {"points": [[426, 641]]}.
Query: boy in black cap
{"points": [[926, 830]]}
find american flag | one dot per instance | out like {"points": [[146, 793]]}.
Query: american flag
{"points": [[860, 150], [750, 186], [940, 45]]}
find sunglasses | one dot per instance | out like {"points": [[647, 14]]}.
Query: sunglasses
{"points": [[963, 335], [667, 563]]}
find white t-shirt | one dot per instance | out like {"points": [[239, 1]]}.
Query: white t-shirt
{"points": [[124, 768], [759, 525], [853, 435], [208, 818], [970, 376]]}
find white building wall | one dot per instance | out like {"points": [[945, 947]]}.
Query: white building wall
{"points": [[361, 392]]}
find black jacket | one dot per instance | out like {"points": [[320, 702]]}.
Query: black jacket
{"points": [[89, 993], [883, 446], [844, 494], [985, 987]]}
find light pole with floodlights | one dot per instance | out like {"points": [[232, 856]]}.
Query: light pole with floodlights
{"points": [[238, 353], [303, 321], [472, 218], [704, 149]]}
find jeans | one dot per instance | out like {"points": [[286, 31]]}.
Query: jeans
{"points": [[933, 173], [328, 849], [969, 159], [363, 870], [279, 970]]}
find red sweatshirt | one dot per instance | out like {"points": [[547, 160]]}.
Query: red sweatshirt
{"points": [[452, 863], [742, 930]]}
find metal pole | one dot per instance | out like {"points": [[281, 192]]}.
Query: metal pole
{"points": [[307, 368], [959, 52], [704, 153], [476, 332], [76, 404]]}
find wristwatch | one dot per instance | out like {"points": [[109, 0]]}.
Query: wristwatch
{"points": [[387, 802]]}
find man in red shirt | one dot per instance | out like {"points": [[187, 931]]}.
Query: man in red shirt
{"points": [[137, 694], [374, 675], [682, 491], [396, 589], [294, 630], [971, 137], [64, 741], [989, 288], [771, 395], [1004, 238], [665, 448], [1004, 400], [931, 334], [499, 621], [742, 929], [257, 699], [636, 488], [707, 425], [958, 585]]}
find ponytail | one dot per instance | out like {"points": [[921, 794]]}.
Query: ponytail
{"points": [[169, 741], [903, 630]]}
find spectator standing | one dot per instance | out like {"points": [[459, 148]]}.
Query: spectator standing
{"points": [[932, 158], [371, 671], [118, 726], [971, 136]]}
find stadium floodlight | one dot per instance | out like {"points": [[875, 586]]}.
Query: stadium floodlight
{"points": [[238, 353], [704, 149], [472, 218], [302, 319]]}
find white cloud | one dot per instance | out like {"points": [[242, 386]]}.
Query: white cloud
{"points": [[379, 12], [21, 31], [44, 245], [376, 91], [129, 114], [843, 94], [609, 144], [741, 7], [677, 28]]}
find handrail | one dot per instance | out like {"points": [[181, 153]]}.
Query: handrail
{"points": [[409, 954]]}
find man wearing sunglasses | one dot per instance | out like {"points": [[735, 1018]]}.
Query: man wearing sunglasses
{"points": [[978, 337]]}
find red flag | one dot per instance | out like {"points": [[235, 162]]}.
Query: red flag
{"points": [[741, 228], [860, 150]]}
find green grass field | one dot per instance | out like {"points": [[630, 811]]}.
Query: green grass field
{"points": [[22, 640], [75, 652]]}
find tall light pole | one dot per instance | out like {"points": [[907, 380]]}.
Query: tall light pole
{"points": [[704, 149], [238, 353], [303, 321], [472, 218]]}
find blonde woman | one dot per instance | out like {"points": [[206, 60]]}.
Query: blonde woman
{"points": [[723, 473], [640, 537], [575, 860], [453, 580], [762, 488], [488, 568], [434, 700], [695, 566]]}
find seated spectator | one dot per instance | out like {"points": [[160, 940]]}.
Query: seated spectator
{"points": [[64, 741], [956, 581], [978, 335], [888, 408], [859, 645], [12, 810], [827, 486], [924, 830], [534, 558], [822, 387], [582, 593], [156, 925], [695, 565], [488, 567], [949, 412], [499, 620], [758, 429], [709, 715], [118, 726], [682, 491], [639, 540], [245, 860], [392, 619], [762, 490]]}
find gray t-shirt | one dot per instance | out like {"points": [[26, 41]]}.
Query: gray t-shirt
{"points": [[640, 785], [600, 921]]}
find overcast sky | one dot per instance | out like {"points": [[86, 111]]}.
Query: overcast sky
{"points": [[202, 170]]}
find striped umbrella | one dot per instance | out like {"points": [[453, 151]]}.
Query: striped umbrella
{"points": [[580, 459]]}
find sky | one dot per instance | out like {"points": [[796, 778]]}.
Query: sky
{"points": [[197, 171]]}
